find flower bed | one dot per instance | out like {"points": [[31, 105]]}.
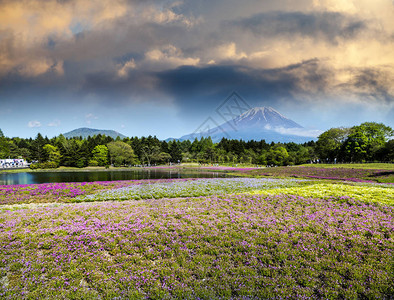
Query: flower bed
{"points": [[57, 192], [238, 247], [225, 168], [346, 174], [182, 188], [132, 189], [366, 193]]}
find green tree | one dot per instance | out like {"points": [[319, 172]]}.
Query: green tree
{"points": [[71, 152], [4, 147], [356, 145], [23, 153], [262, 159], [377, 134], [221, 155], [387, 152], [366, 141], [185, 146], [302, 155], [53, 154], [249, 156], [99, 155], [209, 154], [195, 146], [121, 153], [150, 154], [38, 153], [329, 142], [232, 157], [175, 151], [277, 156], [163, 157]]}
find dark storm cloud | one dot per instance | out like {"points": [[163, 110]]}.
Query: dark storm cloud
{"points": [[330, 26], [196, 88], [372, 84], [278, 81], [183, 82], [200, 89]]}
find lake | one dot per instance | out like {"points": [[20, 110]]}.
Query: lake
{"points": [[82, 176]]}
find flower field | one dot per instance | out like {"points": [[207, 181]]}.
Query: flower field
{"points": [[62, 192], [52, 192], [331, 173], [233, 238], [212, 247], [226, 168], [186, 188], [369, 194], [133, 189]]}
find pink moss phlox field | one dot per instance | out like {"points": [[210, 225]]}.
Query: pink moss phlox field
{"points": [[224, 168], [227, 247], [346, 174], [61, 192], [206, 167]]}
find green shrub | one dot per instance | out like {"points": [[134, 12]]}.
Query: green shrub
{"points": [[34, 166], [93, 163], [44, 165]]}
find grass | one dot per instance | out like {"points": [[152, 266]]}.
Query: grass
{"points": [[5, 171], [368, 166], [386, 179]]}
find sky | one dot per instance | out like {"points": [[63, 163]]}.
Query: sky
{"points": [[145, 67]]}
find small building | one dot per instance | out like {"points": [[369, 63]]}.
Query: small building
{"points": [[13, 163]]}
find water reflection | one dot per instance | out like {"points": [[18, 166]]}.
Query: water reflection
{"points": [[81, 176]]}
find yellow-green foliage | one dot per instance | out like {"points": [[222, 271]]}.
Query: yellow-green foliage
{"points": [[376, 166], [363, 193]]}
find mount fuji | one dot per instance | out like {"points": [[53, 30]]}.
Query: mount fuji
{"points": [[263, 117], [259, 123]]}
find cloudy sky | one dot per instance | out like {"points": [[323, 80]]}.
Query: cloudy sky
{"points": [[145, 67]]}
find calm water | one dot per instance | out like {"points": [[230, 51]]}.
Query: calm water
{"points": [[46, 177]]}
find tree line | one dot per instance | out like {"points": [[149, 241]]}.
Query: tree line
{"points": [[369, 141]]}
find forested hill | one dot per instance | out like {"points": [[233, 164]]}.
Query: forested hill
{"points": [[86, 132]]}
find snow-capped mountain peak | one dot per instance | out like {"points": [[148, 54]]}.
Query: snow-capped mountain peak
{"points": [[264, 117], [257, 123]]}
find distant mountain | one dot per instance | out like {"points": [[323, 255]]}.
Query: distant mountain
{"points": [[256, 124], [261, 117], [86, 132]]}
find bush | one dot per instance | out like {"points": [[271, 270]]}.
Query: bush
{"points": [[93, 163], [35, 166], [44, 165], [50, 165]]}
